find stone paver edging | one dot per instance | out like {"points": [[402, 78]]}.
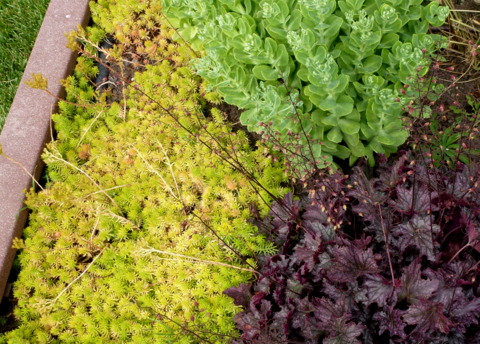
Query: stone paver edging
{"points": [[27, 127]]}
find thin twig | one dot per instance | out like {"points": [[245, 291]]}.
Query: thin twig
{"points": [[51, 155], [23, 167], [78, 277], [153, 170], [151, 250], [386, 245]]}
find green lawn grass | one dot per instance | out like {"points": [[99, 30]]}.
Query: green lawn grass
{"points": [[20, 21]]}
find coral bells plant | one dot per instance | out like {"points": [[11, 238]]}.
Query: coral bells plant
{"points": [[388, 259]]}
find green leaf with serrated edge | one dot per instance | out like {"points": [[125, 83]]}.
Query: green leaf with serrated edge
{"points": [[385, 139], [317, 150], [331, 33], [284, 9], [301, 57], [388, 40], [334, 87], [371, 64], [317, 133], [399, 137], [369, 156], [371, 115], [329, 146], [335, 135], [278, 33], [351, 5], [317, 117], [395, 138], [348, 126], [283, 58], [343, 106], [250, 117], [354, 116], [265, 73], [330, 120], [375, 126], [235, 97], [366, 132], [355, 145], [315, 90], [392, 124], [270, 46], [243, 57], [376, 146], [326, 104], [240, 75], [295, 20], [341, 152]]}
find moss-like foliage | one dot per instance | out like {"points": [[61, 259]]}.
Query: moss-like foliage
{"points": [[142, 225]]}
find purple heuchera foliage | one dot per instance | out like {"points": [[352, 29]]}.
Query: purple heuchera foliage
{"points": [[388, 259]]}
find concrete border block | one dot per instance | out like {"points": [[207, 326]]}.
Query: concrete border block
{"points": [[28, 125]]}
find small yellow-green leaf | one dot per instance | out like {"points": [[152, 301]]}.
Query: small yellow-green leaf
{"points": [[38, 81]]}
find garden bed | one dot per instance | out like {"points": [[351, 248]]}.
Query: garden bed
{"points": [[144, 223]]}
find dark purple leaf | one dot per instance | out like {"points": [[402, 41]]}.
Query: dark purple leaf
{"points": [[327, 311], [391, 320], [391, 176], [351, 261], [241, 295], [343, 331], [464, 181], [315, 213], [257, 299], [368, 197], [428, 316], [379, 289], [452, 338], [413, 287], [416, 200], [357, 295], [282, 214], [473, 232], [465, 312], [309, 251], [419, 232], [248, 324]]}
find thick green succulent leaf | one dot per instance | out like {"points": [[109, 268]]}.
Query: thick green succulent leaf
{"points": [[371, 64], [326, 104], [335, 135], [234, 96], [388, 40], [295, 20], [349, 126], [330, 120], [282, 59], [266, 73], [343, 106], [376, 147], [355, 145], [339, 85], [341, 152]]}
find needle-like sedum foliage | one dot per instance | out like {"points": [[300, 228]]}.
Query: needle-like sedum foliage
{"points": [[143, 223]]}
